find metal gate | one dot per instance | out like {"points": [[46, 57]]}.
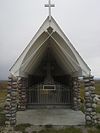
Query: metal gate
{"points": [[38, 96]]}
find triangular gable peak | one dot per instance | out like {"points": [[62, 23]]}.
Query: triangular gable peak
{"points": [[50, 35]]}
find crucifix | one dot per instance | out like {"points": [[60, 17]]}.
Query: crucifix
{"points": [[49, 5]]}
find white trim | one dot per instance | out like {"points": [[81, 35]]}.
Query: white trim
{"points": [[15, 69]]}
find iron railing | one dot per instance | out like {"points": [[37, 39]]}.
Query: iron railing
{"points": [[37, 95]]}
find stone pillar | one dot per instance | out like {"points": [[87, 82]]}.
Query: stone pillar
{"points": [[22, 85], [90, 101], [8, 102], [76, 93], [11, 103]]}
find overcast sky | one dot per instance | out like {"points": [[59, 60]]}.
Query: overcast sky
{"points": [[20, 19]]}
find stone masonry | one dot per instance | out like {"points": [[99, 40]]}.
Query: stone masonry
{"points": [[90, 101], [22, 84], [17, 90], [11, 103], [76, 93]]}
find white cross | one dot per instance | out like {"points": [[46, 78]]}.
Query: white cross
{"points": [[49, 5]]}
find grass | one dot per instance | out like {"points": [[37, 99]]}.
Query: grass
{"points": [[66, 130], [2, 117], [22, 127], [98, 109], [47, 129], [82, 90], [97, 86], [93, 131], [3, 93]]}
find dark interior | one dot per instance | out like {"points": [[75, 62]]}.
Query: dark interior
{"points": [[49, 73], [55, 71]]}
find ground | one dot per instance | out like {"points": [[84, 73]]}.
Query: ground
{"points": [[28, 128], [51, 116]]}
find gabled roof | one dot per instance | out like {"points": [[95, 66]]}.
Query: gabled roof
{"points": [[63, 50]]}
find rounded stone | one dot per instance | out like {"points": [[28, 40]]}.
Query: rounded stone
{"points": [[14, 93], [8, 95], [88, 118], [19, 106], [87, 94], [93, 113], [87, 99], [94, 100], [75, 99], [7, 122], [8, 115], [7, 103], [94, 117], [79, 100], [93, 95], [86, 88], [94, 105], [95, 121], [87, 114], [92, 88], [88, 104], [86, 79], [89, 109], [92, 82], [75, 83]]}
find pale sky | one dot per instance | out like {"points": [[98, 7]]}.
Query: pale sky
{"points": [[20, 20]]}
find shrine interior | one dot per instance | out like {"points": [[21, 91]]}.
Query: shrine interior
{"points": [[49, 84]]}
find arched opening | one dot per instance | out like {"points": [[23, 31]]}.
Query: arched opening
{"points": [[49, 84]]}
